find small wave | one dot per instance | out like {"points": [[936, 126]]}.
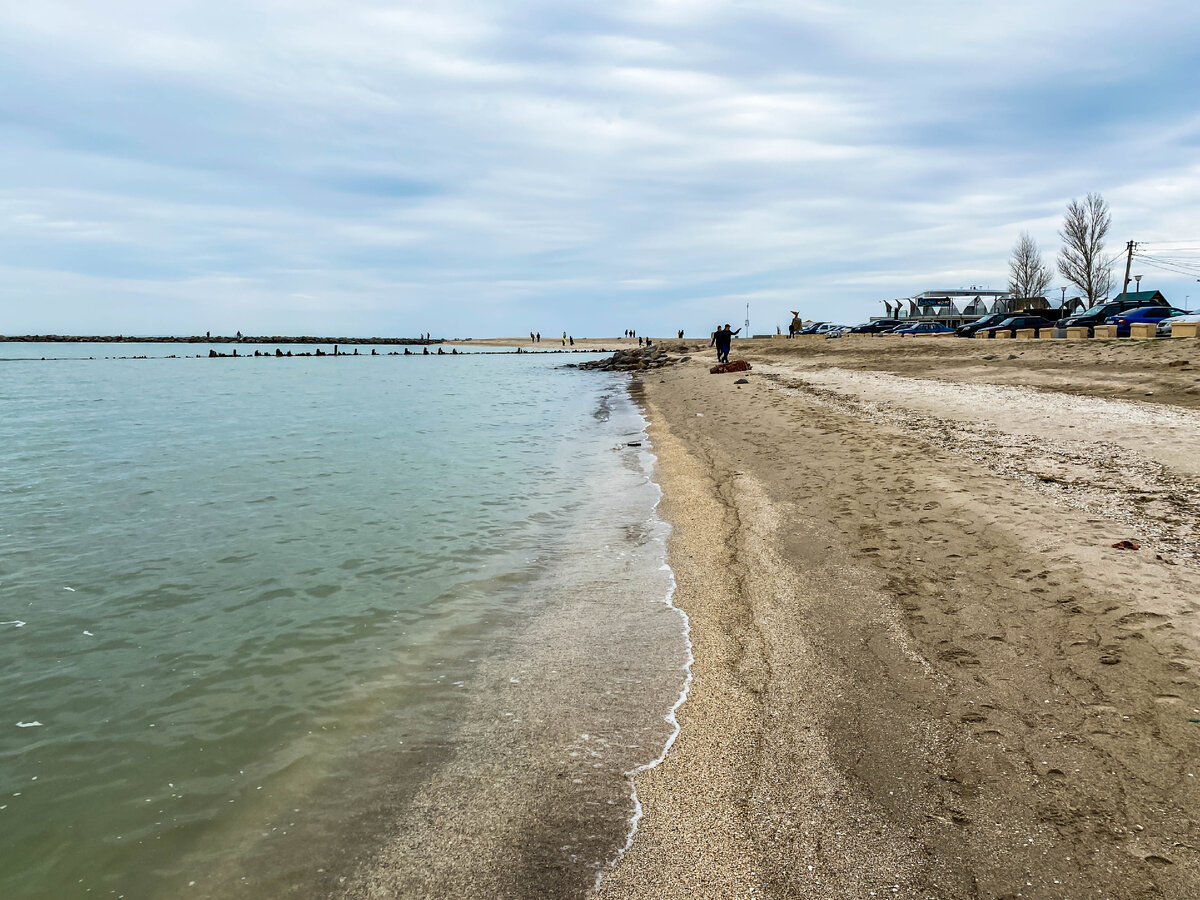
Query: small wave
{"points": [[671, 718]]}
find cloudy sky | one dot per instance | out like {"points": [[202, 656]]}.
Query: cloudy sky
{"points": [[354, 167]]}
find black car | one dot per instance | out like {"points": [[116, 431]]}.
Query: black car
{"points": [[879, 326], [986, 322], [1013, 323], [1090, 318]]}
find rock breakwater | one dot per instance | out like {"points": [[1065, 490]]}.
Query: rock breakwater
{"points": [[635, 360]]}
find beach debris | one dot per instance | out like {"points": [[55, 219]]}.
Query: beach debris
{"points": [[33, 724], [1126, 545], [738, 365], [633, 443], [742, 381]]}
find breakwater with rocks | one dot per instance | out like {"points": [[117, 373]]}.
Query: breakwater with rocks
{"points": [[635, 360], [210, 339]]}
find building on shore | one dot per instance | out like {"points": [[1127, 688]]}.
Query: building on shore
{"points": [[961, 307]]}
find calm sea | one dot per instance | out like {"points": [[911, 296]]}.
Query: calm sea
{"points": [[317, 627]]}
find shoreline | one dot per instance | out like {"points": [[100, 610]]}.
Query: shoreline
{"points": [[537, 797], [918, 674]]}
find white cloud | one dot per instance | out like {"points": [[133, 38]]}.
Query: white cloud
{"points": [[407, 166]]}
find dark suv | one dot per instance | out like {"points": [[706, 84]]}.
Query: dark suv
{"points": [[1090, 318], [987, 321]]}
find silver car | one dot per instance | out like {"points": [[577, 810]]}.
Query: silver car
{"points": [[1164, 327]]}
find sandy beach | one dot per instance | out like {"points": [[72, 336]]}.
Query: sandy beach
{"points": [[921, 667]]}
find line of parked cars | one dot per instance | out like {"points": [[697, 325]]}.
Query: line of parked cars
{"points": [[892, 326], [1121, 312]]}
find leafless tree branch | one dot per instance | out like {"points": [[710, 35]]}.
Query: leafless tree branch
{"points": [[1028, 275], [1081, 260]]}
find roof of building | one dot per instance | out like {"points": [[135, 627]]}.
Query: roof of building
{"points": [[1142, 296]]}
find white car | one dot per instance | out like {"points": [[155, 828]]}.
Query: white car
{"points": [[1164, 327]]}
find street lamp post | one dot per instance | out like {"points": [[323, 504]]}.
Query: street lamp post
{"points": [[1138, 283]]}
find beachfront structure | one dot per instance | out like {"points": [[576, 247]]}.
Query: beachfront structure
{"points": [[951, 308], [960, 307]]}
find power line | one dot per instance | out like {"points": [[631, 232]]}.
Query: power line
{"points": [[1165, 263], [1173, 268]]}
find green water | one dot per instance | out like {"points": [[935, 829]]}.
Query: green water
{"points": [[228, 585]]}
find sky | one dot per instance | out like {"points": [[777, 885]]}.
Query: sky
{"points": [[491, 168]]}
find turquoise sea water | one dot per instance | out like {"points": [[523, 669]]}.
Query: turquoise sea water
{"points": [[244, 605]]}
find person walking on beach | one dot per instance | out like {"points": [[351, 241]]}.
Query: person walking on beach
{"points": [[723, 338], [539, 337]]}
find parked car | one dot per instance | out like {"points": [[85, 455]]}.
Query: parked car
{"points": [[879, 326], [1013, 323], [1164, 327], [1142, 315], [987, 321], [925, 328], [827, 328], [1097, 314], [811, 329]]}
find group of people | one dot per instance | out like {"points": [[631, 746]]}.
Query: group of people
{"points": [[722, 338], [535, 337]]}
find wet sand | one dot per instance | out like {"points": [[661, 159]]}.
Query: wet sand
{"points": [[921, 669]]}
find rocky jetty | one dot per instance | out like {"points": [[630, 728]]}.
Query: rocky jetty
{"points": [[635, 360]]}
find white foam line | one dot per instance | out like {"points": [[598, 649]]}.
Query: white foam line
{"points": [[670, 717]]}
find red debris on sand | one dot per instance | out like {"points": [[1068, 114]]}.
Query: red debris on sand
{"points": [[738, 365], [1126, 545]]}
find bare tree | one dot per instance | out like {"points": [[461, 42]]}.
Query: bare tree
{"points": [[1028, 276], [1081, 260]]}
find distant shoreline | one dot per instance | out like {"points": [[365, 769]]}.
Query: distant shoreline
{"points": [[204, 339]]}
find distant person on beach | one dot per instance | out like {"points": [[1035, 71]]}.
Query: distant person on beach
{"points": [[571, 340], [796, 325], [681, 334], [539, 337], [531, 337], [723, 339]]}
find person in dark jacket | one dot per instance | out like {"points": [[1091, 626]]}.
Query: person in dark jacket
{"points": [[723, 339]]}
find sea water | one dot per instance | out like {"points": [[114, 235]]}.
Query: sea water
{"points": [[267, 625]]}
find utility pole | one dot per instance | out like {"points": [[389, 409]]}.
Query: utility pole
{"points": [[1128, 264]]}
